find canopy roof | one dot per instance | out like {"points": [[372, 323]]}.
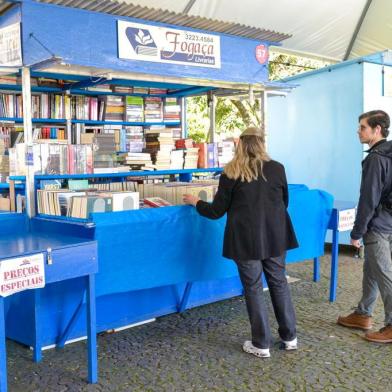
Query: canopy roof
{"points": [[333, 29]]}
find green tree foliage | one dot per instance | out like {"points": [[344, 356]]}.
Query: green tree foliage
{"points": [[235, 114]]}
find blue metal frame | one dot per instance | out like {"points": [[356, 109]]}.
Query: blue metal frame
{"points": [[126, 174], [87, 122], [334, 226], [53, 274]]}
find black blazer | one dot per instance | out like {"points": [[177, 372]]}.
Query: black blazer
{"points": [[258, 225]]}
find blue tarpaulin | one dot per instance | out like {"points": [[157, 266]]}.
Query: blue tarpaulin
{"points": [[166, 246]]}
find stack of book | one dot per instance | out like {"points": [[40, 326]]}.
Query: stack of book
{"points": [[114, 108], [191, 157], [184, 143], [171, 110], [177, 159], [104, 151], [159, 143], [119, 135], [134, 139], [138, 160], [134, 111], [153, 109]]}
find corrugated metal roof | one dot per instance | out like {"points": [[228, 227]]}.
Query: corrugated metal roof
{"points": [[164, 16]]}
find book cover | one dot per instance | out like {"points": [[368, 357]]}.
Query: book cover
{"points": [[156, 202], [123, 201]]}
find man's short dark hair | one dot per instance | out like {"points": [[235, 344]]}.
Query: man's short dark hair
{"points": [[377, 117]]}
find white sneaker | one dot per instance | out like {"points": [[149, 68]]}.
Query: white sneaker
{"points": [[290, 345], [248, 347]]}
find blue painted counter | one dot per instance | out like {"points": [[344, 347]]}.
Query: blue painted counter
{"points": [[65, 258], [147, 257]]}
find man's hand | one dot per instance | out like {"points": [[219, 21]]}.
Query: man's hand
{"points": [[190, 199], [355, 243]]}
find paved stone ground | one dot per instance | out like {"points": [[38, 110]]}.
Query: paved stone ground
{"points": [[201, 349]]}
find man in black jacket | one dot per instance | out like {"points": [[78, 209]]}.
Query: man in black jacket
{"points": [[373, 224]]}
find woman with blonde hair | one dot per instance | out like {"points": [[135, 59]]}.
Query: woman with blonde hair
{"points": [[253, 191]]}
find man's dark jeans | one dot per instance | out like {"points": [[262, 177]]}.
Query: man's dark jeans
{"points": [[274, 270]]}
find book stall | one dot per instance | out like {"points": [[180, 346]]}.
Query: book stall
{"points": [[93, 121]]}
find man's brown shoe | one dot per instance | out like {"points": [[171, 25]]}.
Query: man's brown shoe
{"points": [[355, 320], [384, 335]]}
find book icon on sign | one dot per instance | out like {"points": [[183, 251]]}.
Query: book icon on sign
{"points": [[141, 41]]}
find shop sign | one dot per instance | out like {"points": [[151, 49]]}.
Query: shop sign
{"points": [[164, 45], [346, 219], [22, 273], [10, 46], [261, 53]]}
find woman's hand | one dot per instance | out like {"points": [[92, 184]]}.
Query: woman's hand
{"points": [[190, 199]]}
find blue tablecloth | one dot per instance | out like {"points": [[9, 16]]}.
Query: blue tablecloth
{"points": [[166, 246]]}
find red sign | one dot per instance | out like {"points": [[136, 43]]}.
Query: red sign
{"points": [[261, 53]]}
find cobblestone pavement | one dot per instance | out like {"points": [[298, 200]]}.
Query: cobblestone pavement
{"points": [[201, 349]]}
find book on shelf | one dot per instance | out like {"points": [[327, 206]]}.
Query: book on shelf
{"points": [[173, 192], [124, 201], [212, 154], [202, 156], [5, 204], [114, 108], [153, 109], [123, 89], [79, 204], [140, 90], [226, 150], [83, 206], [156, 202], [171, 110], [77, 185], [191, 157], [134, 109], [101, 88], [50, 184]]}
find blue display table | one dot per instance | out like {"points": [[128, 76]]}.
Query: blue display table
{"points": [[154, 262], [65, 257]]}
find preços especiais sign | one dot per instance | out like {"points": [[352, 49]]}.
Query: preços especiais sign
{"points": [[160, 44], [22, 273]]}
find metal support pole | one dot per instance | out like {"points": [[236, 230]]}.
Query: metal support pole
{"points": [[68, 118], [212, 106], [263, 115], [184, 130], [28, 138]]}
